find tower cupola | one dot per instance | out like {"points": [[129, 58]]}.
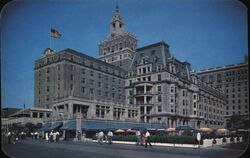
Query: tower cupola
{"points": [[116, 24]]}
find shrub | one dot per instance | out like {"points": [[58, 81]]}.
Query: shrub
{"points": [[161, 139]]}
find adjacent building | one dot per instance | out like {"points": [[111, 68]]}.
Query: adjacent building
{"points": [[22, 117], [232, 80]]}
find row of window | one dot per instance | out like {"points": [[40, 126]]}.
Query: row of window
{"points": [[235, 112], [239, 107]]}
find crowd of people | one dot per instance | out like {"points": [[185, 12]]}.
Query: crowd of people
{"points": [[14, 136], [101, 136], [143, 138], [53, 136]]}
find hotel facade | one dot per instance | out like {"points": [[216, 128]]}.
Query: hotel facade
{"points": [[126, 83]]}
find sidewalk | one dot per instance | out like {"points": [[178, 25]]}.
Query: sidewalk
{"points": [[159, 144]]}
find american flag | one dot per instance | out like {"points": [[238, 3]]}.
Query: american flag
{"points": [[54, 33]]}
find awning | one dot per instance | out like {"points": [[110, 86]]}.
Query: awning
{"points": [[70, 125], [55, 125], [184, 128], [45, 127], [95, 125]]}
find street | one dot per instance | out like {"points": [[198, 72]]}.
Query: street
{"points": [[30, 148]]}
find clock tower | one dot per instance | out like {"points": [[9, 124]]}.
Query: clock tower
{"points": [[119, 47]]}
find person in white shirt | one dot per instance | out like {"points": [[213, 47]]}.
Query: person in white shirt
{"points": [[147, 140], [100, 137], [46, 136], [110, 135], [9, 137]]}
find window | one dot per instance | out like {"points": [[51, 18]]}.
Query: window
{"points": [[91, 73], [40, 115], [99, 84], [92, 82], [130, 92], [171, 99], [149, 78], [91, 90], [159, 88], [34, 114], [71, 67], [159, 98], [159, 108], [83, 89], [83, 80], [159, 77], [171, 89], [130, 82], [194, 97]]}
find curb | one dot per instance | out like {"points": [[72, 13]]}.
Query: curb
{"points": [[158, 144]]}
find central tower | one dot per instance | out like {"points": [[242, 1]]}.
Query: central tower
{"points": [[119, 47]]}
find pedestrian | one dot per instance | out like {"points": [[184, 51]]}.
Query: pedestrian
{"points": [[100, 137], [57, 136], [138, 137], [47, 136], [14, 137], [143, 138], [54, 136], [9, 134], [110, 135], [147, 139], [31, 135], [78, 135], [36, 135], [22, 135], [51, 136]]}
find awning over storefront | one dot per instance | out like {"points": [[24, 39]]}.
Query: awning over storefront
{"points": [[70, 125], [95, 125], [45, 127], [55, 125]]}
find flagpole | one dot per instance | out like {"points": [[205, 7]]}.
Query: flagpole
{"points": [[50, 40]]}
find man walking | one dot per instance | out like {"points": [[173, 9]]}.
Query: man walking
{"points": [[147, 140]]}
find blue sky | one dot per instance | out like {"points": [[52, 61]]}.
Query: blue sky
{"points": [[206, 33]]}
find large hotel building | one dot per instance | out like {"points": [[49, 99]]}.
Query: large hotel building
{"points": [[132, 84]]}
